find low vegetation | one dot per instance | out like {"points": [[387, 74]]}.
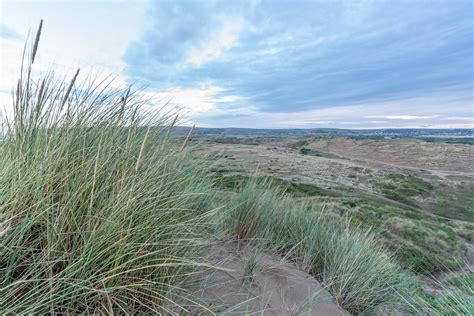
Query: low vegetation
{"points": [[309, 151], [455, 203], [463, 282], [421, 242], [237, 181], [466, 231], [250, 268], [457, 298], [404, 188]]}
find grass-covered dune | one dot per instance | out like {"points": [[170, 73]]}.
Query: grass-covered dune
{"points": [[102, 211], [99, 214], [348, 258], [424, 243], [355, 269]]}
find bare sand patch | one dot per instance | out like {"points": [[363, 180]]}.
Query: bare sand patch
{"points": [[272, 287]]}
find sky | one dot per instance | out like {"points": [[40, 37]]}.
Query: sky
{"points": [[264, 64]]}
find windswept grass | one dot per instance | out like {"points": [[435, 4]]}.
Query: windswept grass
{"points": [[356, 270], [463, 282], [99, 212], [456, 297]]}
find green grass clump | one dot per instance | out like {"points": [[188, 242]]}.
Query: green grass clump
{"points": [[231, 182], [98, 212], [355, 268], [298, 189], [464, 282], [455, 202], [466, 231], [421, 242], [410, 185], [235, 182], [404, 188], [454, 302], [250, 268], [454, 297], [309, 151], [299, 143]]}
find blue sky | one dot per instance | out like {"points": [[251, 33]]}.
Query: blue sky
{"points": [[346, 64]]}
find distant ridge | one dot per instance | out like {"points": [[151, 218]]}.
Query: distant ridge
{"points": [[295, 132]]}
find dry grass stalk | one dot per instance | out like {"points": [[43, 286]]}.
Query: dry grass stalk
{"points": [[18, 94], [142, 149], [39, 98], [124, 101], [174, 121], [35, 45], [69, 89], [171, 126], [188, 137]]}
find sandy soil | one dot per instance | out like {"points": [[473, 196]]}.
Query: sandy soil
{"points": [[438, 158], [274, 288]]}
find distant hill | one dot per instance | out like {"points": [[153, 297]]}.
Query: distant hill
{"points": [[464, 135]]}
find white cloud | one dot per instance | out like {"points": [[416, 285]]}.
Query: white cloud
{"points": [[370, 115], [213, 48], [447, 126], [402, 117], [461, 118], [194, 101]]}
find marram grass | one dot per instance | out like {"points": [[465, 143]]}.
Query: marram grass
{"points": [[99, 209]]}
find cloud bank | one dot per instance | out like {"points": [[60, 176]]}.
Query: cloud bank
{"points": [[262, 63], [277, 57]]}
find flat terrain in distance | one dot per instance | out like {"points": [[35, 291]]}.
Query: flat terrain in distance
{"points": [[363, 166], [416, 195]]}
